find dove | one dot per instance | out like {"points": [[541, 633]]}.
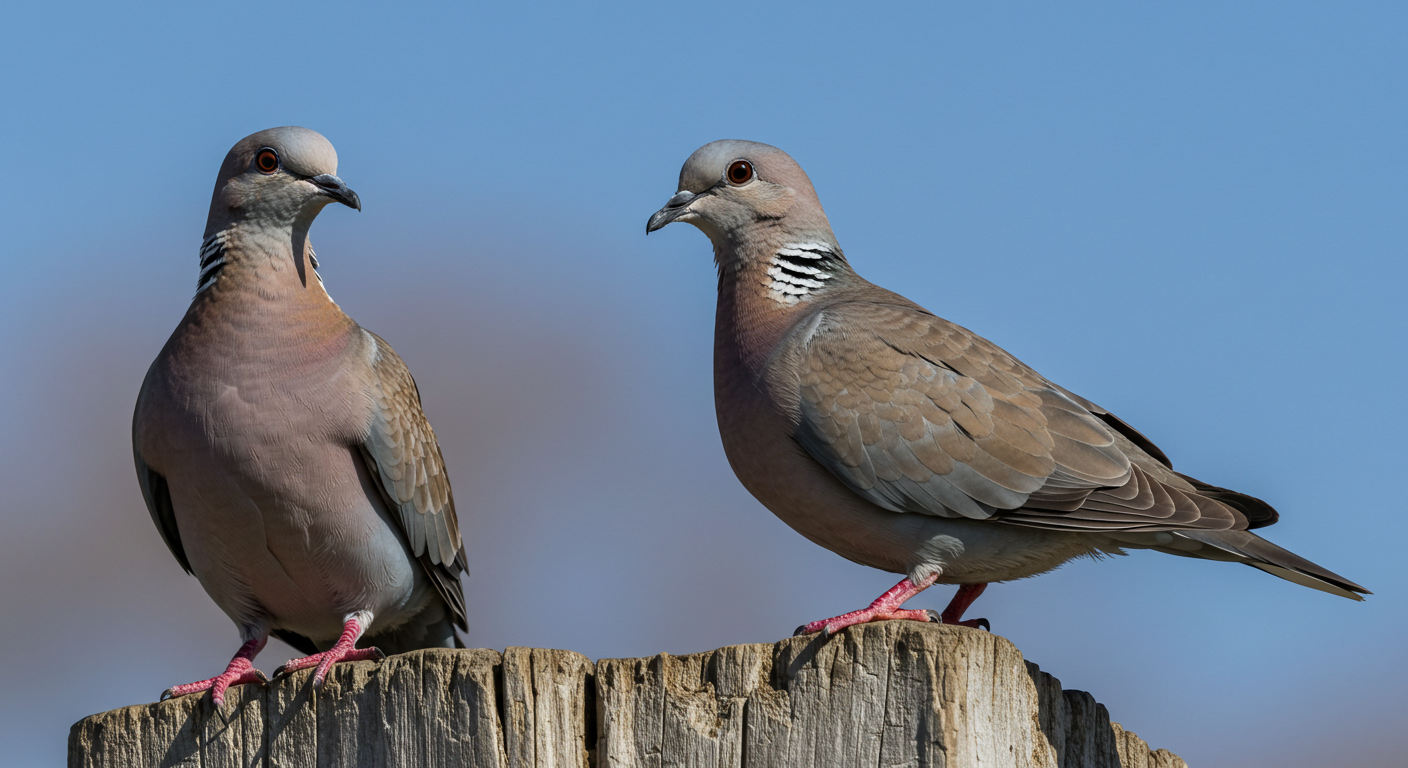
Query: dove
{"points": [[904, 442], [281, 448]]}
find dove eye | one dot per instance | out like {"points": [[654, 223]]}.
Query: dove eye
{"points": [[739, 172], [267, 161]]}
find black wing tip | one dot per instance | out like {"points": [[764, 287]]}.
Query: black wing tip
{"points": [[158, 497], [1259, 514], [446, 580]]}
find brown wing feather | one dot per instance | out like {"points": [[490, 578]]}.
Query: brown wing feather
{"points": [[401, 453], [918, 414]]}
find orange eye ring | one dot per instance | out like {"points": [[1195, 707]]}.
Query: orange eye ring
{"points": [[267, 161], [739, 172]]}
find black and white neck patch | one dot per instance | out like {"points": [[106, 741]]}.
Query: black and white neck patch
{"points": [[212, 260], [797, 269]]}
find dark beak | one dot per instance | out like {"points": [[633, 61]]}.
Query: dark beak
{"points": [[334, 188], [672, 210]]}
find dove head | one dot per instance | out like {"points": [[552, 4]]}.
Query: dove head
{"points": [[278, 179], [744, 196]]}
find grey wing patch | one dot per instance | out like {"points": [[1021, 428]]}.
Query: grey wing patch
{"points": [[1116, 423], [403, 456], [917, 414], [158, 498], [912, 433], [910, 463]]}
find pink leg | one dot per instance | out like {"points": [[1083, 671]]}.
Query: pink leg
{"points": [[953, 614], [241, 670], [887, 606], [343, 650]]}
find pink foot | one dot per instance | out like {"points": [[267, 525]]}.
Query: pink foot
{"points": [[240, 671], [953, 614], [885, 607], [343, 650]]}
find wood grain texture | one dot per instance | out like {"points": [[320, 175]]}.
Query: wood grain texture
{"points": [[894, 693]]}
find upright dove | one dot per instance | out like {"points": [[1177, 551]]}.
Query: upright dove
{"points": [[907, 443], [281, 448]]}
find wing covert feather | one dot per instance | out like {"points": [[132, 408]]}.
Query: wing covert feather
{"points": [[403, 457], [917, 414]]}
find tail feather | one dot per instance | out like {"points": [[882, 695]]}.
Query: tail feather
{"points": [[1260, 553]]}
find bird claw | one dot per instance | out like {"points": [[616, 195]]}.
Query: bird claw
{"points": [[236, 674], [832, 626], [938, 618], [827, 628], [972, 623], [324, 661]]}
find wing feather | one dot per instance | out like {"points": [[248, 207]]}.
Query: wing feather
{"points": [[158, 497], [403, 457], [917, 414]]}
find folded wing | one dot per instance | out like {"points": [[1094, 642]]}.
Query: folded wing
{"points": [[402, 455], [918, 414]]}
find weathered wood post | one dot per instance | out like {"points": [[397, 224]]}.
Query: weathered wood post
{"points": [[895, 693]]}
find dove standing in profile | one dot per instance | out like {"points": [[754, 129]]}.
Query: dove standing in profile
{"points": [[281, 447], [906, 443]]}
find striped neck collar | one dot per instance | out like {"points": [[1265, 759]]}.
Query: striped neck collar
{"points": [[798, 269], [214, 250], [212, 260]]}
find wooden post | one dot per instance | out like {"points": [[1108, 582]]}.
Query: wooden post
{"points": [[895, 693]]}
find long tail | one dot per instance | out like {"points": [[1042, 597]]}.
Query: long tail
{"points": [[1251, 549]]}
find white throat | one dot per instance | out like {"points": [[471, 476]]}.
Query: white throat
{"points": [[797, 269]]}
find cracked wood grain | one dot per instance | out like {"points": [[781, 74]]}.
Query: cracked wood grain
{"points": [[893, 693]]}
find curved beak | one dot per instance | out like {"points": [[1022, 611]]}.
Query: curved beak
{"points": [[672, 210], [334, 188]]}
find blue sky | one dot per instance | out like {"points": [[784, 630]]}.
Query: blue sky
{"points": [[1191, 214]]}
